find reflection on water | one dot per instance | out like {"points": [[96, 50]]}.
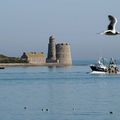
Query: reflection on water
{"points": [[58, 93]]}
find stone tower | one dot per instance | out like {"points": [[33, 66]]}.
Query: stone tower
{"points": [[51, 57], [63, 54]]}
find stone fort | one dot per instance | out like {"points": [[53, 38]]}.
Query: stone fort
{"points": [[58, 53]]}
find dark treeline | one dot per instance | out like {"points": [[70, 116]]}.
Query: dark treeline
{"points": [[6, 59]]}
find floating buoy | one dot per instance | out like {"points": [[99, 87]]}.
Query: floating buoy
{"points": [[111, 112]]}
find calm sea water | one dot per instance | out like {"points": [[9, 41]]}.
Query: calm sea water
{"points": [[58, 93]]}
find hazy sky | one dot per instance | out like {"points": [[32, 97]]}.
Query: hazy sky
{"points": [[25, 25]]}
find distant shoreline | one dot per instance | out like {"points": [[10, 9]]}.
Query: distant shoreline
{"points": [[30, 64]]}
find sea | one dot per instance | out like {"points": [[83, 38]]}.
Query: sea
{"points": [[58, 93]]}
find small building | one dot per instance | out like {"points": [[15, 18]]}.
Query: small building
{"points": [[34, 57]]}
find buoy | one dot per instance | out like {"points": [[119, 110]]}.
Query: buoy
{"points": [[111, 112]]}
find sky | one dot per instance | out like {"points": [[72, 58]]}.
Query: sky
{"points": [[26, 25]]}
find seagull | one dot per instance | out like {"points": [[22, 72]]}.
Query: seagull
{"points": [[111, 27]]}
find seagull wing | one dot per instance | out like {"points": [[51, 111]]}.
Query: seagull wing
{"points": [[113, 22]]}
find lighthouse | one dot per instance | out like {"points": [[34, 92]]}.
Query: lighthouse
{"points": [[51, 57]]}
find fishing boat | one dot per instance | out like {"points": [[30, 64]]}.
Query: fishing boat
{"points": [[113, 67], [101, 67], [2, 67]]}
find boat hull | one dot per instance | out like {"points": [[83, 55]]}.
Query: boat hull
{"points": [[2, 67], [94, 68]]}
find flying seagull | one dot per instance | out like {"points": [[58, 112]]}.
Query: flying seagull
{"points": [[111, 27]]}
